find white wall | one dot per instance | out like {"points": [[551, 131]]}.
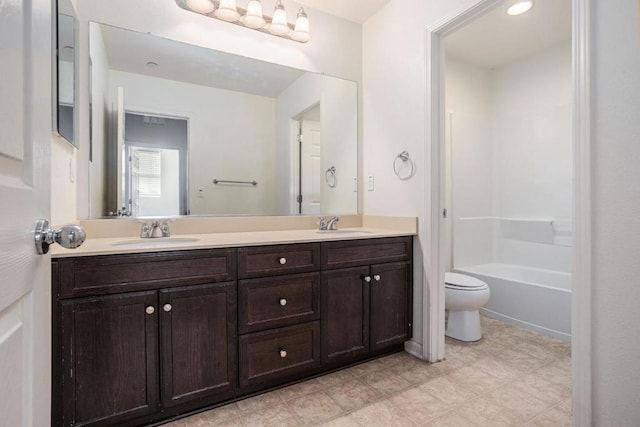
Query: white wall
{"points": [[511, 159], [468, 132], [98, 203], [394, 93], [616, 213], [335, 48], [531, 133], [339, 135], [221, 143]]}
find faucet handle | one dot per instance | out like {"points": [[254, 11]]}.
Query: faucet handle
{"points": [[322, 223], [165, 227], [145, 229]]}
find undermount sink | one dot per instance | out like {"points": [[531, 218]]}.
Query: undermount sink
{"points": [[161, 241], [343, 232]]}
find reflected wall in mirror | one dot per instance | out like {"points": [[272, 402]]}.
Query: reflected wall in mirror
{"points": [[65, 71], [181, 129]]}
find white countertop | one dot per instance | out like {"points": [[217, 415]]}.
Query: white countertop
{"points": [[124, 245]]}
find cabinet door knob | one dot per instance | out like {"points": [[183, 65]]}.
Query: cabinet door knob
{"points": [[367, 279], [150, 310], [376, 277], [283, 301], [283, 260], [167, 307], [283, 353]]}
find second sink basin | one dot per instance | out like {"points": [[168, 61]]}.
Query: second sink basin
{"points": [[161, 241]]}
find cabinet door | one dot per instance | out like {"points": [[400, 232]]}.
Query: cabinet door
{"points": [[109, 358], [390, 305], [199, 346], [345, 314]]}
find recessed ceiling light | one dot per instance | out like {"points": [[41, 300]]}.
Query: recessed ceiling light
{"points": [[519, 8], [152, 64]]}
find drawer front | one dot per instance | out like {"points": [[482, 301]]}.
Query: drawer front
{"points": [[274, 302], [267, 358], [280, 259], [121, 273], [351, 253]]}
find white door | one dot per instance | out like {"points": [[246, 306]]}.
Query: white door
{"points": [[25, 277], [310, 169]]}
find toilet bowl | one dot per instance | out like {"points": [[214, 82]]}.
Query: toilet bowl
{"points": [[464, 295]]}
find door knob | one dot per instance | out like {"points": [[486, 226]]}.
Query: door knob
{"points": [[150, 310], [283, 353], [376, 277], [167, 307], [367, 279], [69, 236], [283, 301], [283, 261]]}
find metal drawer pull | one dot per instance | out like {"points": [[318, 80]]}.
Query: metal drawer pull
{"points": [[283, 353], [167, 307], [283, 302], [376, 277], [367, 279], [283, 261], [150, 310]]}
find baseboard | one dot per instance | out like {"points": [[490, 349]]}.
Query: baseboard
{"points": [[526, 325], [414, 349]]}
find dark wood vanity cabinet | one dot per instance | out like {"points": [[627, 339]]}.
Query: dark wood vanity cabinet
{"points": [[366, 309], [128, 357], [138, 338]]}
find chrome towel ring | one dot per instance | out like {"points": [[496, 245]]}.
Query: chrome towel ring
{"points": [[406, 160], [330, 177]]}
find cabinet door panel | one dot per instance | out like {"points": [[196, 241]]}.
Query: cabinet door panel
{"points": [[109, 358], [198, 342], [389, 304], [345, 314]]}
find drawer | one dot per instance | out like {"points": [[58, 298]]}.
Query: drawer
{"points": [[351, 253], [280, 259], [107, 274], [270, 357], [274, 302]]}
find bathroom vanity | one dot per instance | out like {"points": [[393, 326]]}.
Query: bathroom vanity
{"points": [[142, 337]]}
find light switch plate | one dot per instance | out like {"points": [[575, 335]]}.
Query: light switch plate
{"points": [[370, 182]]}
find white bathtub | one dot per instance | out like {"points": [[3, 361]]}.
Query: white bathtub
{"points": [[532, 298]]}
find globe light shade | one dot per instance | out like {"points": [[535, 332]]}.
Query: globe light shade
{"points": [[254, 18], [279, 24], [227, 11], [200, 6], [301, 31]]}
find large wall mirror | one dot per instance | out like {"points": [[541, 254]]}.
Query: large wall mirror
{"points": [[65, 111], [178, 129]]}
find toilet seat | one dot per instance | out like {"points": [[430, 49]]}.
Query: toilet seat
{"points": [[462, 282]]}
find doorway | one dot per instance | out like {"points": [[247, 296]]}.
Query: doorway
{"points": [[581, 190], [155, 173], [309, 164]]}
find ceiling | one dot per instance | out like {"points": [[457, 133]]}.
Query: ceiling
{"points": [[130, 51], [497, 39], [353, 10]]}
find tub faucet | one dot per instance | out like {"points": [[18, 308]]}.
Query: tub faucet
{"points": [[329, 223]]}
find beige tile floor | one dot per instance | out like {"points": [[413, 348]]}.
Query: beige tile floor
{"points": [[512, 377]]}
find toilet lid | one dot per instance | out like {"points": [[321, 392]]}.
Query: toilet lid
{"points": [[462, 281]]}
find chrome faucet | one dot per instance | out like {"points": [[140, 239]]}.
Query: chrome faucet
{"points": [[329, 223], [156, 229]]}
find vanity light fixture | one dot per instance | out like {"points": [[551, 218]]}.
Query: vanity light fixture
{"points": [[520, 7], [252, 17]]}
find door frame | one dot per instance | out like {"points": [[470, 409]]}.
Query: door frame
{"points": [[433, 296]]}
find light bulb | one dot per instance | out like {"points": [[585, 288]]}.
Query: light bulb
{"points": [[227, 11], [301, 31], [253, 18], [519, 8], [200, 6], [279, 24]]}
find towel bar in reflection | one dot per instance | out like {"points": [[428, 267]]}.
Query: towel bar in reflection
{"points": [[224, 181]]}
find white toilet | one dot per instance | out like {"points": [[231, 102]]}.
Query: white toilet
{"points": [[464, 295]]}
